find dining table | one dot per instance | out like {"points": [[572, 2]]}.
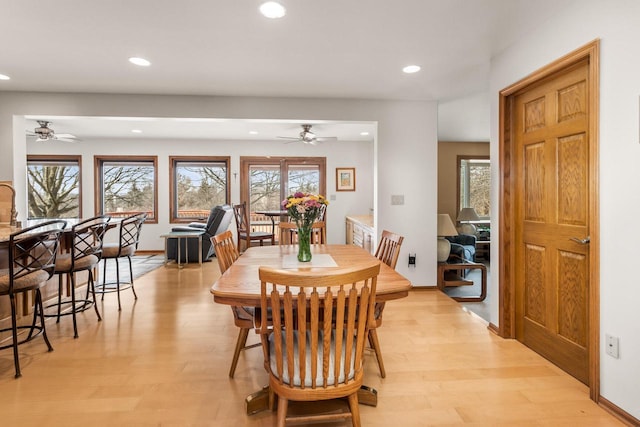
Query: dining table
{"points": [[240, 286]]}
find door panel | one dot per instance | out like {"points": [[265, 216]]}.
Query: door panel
{"points": [[551, 208]]}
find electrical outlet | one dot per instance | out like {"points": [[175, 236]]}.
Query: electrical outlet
{"points": [[412, 259], [613, 346]]}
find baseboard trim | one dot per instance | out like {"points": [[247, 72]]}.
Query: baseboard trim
{"points": [[139, 252], [493, 328], [618, 412]]}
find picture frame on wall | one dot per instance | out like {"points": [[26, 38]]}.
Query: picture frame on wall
{"points": [[345, 179]]}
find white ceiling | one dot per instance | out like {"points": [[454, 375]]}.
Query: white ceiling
{"points": [[322, 48]]}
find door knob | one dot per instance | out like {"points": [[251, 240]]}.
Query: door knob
{"points": [[584, 241]]}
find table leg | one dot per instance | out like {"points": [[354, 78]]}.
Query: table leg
{"points": [[179, 254], [258, 401], [200, 250], [166, 258]]}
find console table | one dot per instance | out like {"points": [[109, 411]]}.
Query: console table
{"points": [[449, 275]]}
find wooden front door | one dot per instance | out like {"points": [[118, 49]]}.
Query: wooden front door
{"points": [[551, 155]]}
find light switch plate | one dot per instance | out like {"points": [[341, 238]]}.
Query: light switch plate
{"points": [[397, 199]]}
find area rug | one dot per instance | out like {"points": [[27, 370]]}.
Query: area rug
{"points": [[141, 264]]}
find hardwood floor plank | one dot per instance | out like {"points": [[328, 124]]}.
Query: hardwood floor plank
{"points": [[163, 361]]}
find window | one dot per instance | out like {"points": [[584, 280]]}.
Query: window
{"points": [[266, 181], [197, 185], [474, 175], [53, 184], [127, 185]]}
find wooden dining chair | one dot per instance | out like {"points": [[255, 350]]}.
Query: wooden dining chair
{"points": [[289, 233], [243, 227], [314, 350], [387, 251], [32, 258], [226, 254]]}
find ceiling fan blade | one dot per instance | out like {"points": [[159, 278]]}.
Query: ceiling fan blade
{"points": [[74, 139], [326, 138], [65, 135], [288, 137]]}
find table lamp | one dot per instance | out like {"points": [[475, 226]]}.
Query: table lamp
{"points": [[464, 217], [445, 228]]}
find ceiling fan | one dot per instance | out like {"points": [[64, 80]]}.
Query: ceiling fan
{"points": [[308, 137], [45, 133]]}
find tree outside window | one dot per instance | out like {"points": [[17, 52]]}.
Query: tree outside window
{"points": [[475, 185], [266, 181], [198, 184], [128, 186], [53, 184]]}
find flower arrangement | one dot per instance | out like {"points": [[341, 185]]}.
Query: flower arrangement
{"points": [[304, 208]]}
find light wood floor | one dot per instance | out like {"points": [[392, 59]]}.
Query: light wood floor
{"points": [[163, 361]]}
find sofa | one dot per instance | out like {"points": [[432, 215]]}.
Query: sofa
{"points": [[219, 220], [463, 248]]}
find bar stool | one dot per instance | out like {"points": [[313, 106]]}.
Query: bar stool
{"points": [[32, 257], [84, 254], [126, 247]]}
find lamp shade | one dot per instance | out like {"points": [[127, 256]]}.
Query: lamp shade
{"points": [[468, 214], [445, 226]]}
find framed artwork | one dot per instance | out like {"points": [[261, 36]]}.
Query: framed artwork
{"points": [[345, 179]]}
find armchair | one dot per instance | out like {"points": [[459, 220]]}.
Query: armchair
{"points": [[463, 248], [218, 221]]}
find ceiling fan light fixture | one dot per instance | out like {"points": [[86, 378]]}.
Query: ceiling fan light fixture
{"points": [[139, 61], [272, 10]]}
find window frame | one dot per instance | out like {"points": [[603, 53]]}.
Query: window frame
{"points": [[173, 163], [284, 162], [98, 162], [59, 158], [459, 160]]}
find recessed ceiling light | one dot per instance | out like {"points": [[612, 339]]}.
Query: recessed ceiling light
{"points": [[410, 69], [273, 10], [136, 131], [4, 77], [364, 133], [139, 61], [253, 132]]}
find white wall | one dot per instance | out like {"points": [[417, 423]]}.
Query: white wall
{"points": [[615, 23], [405, 161], [464, 119]]}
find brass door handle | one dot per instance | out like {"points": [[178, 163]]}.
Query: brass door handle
{"points": [[584, 241]]}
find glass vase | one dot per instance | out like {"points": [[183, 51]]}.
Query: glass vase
{"points": [[304, 243]]}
